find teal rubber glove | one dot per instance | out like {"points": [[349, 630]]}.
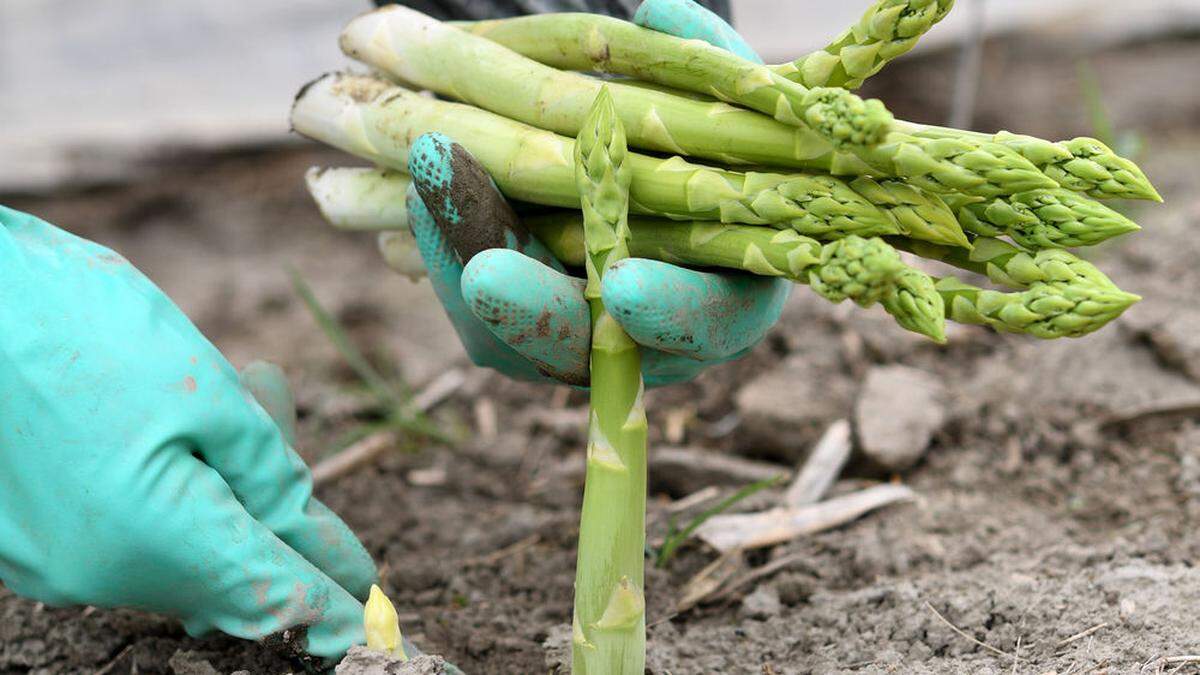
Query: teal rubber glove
{"points": [[138, 470], [517, 311]]}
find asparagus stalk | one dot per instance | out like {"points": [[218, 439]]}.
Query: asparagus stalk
{"points": [[920, 215], [906, 293], [377, 121], [1010, 266], [591, 42], [1063, 296], [1080, 164], [359, 198], [1056, 218], [1060, 295], [1047, 310], [661, 121], [609, 624], [940, 164], [887, 30]]}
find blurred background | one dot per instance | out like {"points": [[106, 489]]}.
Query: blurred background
{"points": [[88, 87]]}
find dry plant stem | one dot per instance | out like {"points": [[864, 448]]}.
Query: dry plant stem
{"points": [[821, 469], [755, 530], [609, 621]]}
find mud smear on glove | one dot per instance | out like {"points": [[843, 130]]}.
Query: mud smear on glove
{"points": [[292, 644], [469, 209]]}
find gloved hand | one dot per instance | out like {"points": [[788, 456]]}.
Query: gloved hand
{"points": [[138, 470], [516, 310]]}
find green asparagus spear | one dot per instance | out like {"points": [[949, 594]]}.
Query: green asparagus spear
{"points": [[916, 305], [1046, 310], [885, 32], [591, 42], [376, 120], [906, 293], [1060, 295], [1080, 164], [415, 48], [658, 120], [1056, 218], [1010, 266], [609, 624], [952, 165], [856, 268]]}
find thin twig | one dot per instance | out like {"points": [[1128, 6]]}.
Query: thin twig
{"points": [[108, 668], [1080, 635], [695, 499], [964, 635], [1183, 659], [500, 554]]}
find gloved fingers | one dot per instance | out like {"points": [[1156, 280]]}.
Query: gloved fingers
{"points": [[230, 572], [445, 275], [465, 203], [702, 315], [246, 448], [545, 318], [269, 385], [688, 19], [660, 369], [536, 310]]}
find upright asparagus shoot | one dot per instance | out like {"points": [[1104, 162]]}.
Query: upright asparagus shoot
{"points": [[609, 627], [382, 625]]}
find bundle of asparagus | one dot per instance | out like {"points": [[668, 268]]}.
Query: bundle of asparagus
{"points": [[846, 169], [793, 176]]}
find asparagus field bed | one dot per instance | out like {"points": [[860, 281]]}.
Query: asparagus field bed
{"points": [[1024, 529]]}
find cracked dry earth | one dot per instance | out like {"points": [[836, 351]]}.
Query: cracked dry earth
{"points": [[1056, 529]]}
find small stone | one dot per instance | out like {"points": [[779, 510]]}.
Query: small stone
{"points": [[898, 411], [185, 662], [1172, 329], [762, 604], [1128, 609]]}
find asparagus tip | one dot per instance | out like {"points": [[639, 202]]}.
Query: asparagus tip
{"points": [[845, 119]]}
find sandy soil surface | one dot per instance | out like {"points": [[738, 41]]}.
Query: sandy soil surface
{"points": [[1056, 529]]}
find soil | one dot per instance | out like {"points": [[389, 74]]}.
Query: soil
{"points": [[1056, 529]]}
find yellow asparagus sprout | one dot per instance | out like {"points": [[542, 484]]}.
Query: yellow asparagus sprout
{"points": [[382, 625]]}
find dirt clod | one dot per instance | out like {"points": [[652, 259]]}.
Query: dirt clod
{"points": [[898, 411], [363, 661]]}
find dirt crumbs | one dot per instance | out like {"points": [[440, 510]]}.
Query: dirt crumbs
{"points": [[362, 661]]}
